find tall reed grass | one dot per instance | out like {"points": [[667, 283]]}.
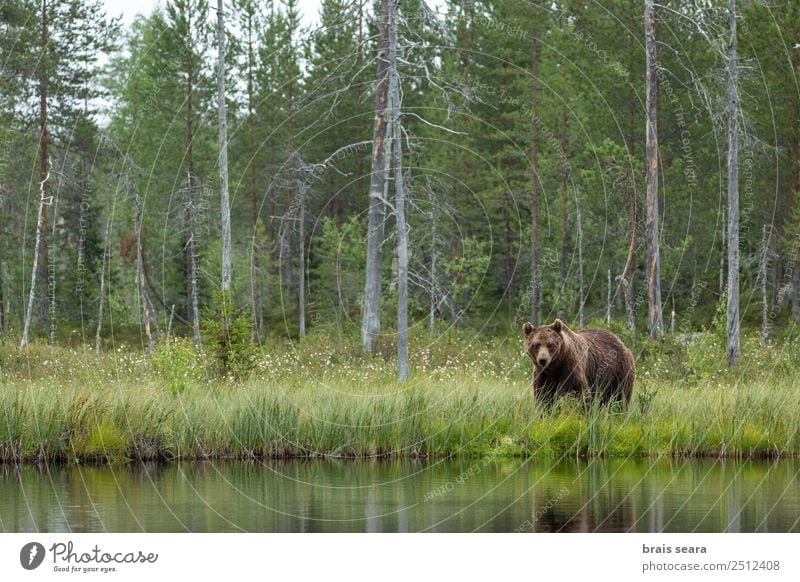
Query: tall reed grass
{"points": [[316, 400]]}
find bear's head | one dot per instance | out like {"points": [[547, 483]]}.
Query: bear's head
{"points": [[544, 344]]}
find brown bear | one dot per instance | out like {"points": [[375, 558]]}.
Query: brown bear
{"points": [[593, 363]]}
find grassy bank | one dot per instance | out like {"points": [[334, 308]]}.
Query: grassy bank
{"points": [[60, 404]]}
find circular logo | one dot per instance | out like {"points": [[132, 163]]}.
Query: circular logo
{"points": [[31, 555]]}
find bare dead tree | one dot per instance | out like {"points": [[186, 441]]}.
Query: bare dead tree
{"points": [[102, 298], [223, 155], [534, 184], [579, 228], [655, 321], [40, 226], [301, 294], [395, 100], [371, 319], [733, 320], [762, 279]]}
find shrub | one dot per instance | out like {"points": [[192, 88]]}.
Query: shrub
{"points": [[227, 333], [178, 363]]}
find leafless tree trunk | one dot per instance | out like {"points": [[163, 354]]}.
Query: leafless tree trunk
{"points": [[191, 255], [655, 321], [44, 165], [40, 225], [140, 276], [395, 101], [762, 277], [565, 171], [672, 317], [432, 310], [579, 225], [722, 253], [371, 322], [169, 323], [534, 184], [302, 282], [733, 195], [628, 273], [102, 299], [256, 250], [2, 301], [608, 300], [223, 155]]}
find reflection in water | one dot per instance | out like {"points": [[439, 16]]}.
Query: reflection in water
{"points": [[376, 496]]}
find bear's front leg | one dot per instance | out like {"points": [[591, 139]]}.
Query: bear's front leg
{"points": [[583, 389]]}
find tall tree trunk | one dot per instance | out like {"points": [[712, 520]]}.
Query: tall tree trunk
{"points": [[629, 271], [510, 264], [223, 155], [35, 268], [534, 184], [2, 301], [140, 277], [722, 251], [399, 200], [608, 300], [256, 250], [44, 165], [371, 321], [794, 165], [733, 195], [655, 321], [762, 279], [191, 256], [102, 299], [565, 171], [432, 308], [302, 282], [579, 225]]}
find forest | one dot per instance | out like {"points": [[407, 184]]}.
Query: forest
{"points": [[220, 201]]}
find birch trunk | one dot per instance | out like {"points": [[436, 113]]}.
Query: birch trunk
{"points": [[655, 321], [44, 164], [762, 276], [432, 310], [102, 300], [579, 225], [256, 250], [302, 282], [191, 256], [40, 225], [371, 321], [733, 320], [534, 185], [395, 101], [140, 277], [223, 155]]}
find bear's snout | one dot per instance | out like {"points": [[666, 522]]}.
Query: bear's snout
{"points": [[543, 357]]}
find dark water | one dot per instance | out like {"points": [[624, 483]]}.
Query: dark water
{"points": [[374, 496]]}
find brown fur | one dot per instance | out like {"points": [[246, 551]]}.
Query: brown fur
{"points": [[592, 363]]}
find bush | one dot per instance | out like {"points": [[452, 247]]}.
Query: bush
{"points": [[178, 363], [227, 333]]}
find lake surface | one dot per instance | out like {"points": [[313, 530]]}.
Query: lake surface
{"points": [[398, 496]]}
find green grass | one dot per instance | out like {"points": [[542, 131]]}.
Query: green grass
{"points": [[324, 398]]}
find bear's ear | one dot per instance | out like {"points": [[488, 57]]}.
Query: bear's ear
{"points": [[528, 328], [559, 326]]}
